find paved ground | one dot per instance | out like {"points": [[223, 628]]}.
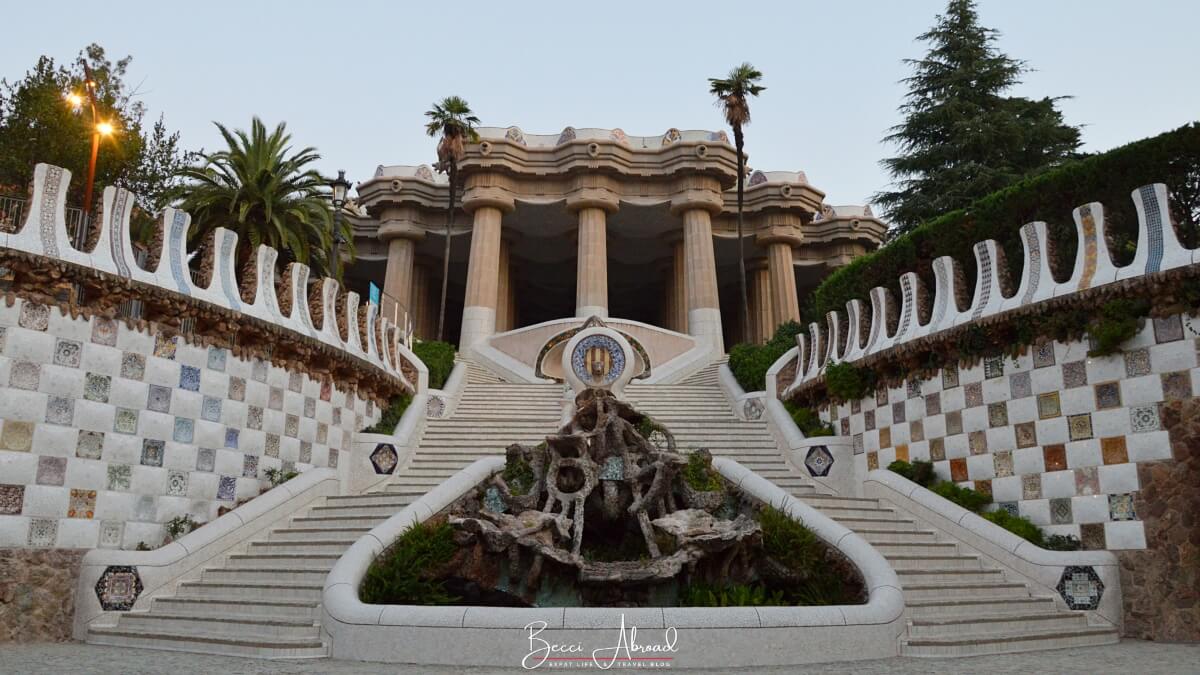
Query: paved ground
{"points": [[1144, 658]]}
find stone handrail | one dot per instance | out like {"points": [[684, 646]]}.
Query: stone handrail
{"points": [[160, 570], [284, 303], [761, 635], [1042, 567], [854, 335]]}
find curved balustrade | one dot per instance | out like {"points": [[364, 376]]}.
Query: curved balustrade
{"points": [[285, 303], [857, 336]]}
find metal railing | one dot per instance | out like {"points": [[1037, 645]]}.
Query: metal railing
{"points": [[13, 210]]}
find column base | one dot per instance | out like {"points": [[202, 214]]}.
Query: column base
{"points": [[705, 324], [478, 324], [589, 311]]}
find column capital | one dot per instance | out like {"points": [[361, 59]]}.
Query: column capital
{"points": [[592, 198], [779, 234], [400, 229], [476, 198], [689, 200]]}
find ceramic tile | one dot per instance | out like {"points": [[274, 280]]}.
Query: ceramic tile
{"points": [[159, 399], [857, 441], [1060, 511], [12, 499], [1177, 386], [998, 414], [133, 366], [104, 331], [231, 438], [217, 358], [67, 353], [881, 396], [17, 436], [34, 316], [333, 459], [226, 488], [90, 444], [237, 389], [177, 483], [1113, 450], [1003, 464], [933, 404], [993, 366], [869, 420], [916, 431], [898, 412], [1137, 362], [96, 387], [82, 504], [125, 421], [1026, 434], [1108, 395], [885, 437], [111, 534], [275, 400], [901, 452], [984, 487], [977, 442], [258, 370], [119, 477], [855, 406], [254, 417], [250, 466], [323, 433], [310, 407], [25, 375], [210, 409], [295, 382], [872, 460], [1091, 535], [189, 378], [305, 452], [958, 470], [1043, 355], [1079, 426], [206, 459], [1020, 385], [1087, 481], [1031, 486], [1055, 457], [1049, 405], [1144, 418], [845, 425], [1120, 507], [1010, 507], [60, 410], [937, 449], [1074, 374], [272, 446], [973, 395], [43, 532], [1168, 329], [185, 430], [152, 452], [51, 470], [950, 376], [291, 426], [165, 345], [326, 390], [954, 423], [912, 388]]}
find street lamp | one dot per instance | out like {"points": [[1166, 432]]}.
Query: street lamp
{"points": [[99, 128], [340, 186]]}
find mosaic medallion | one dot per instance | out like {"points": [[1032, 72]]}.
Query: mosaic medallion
{"points": [[82, 504], [96, 387], [598, 360], [1080, 588], [67, 353], [435, 407], [818, 461], [1144, 418], [34, 316], [226, 488], [1074, 374], [250, 466], [753, 408], [133, 366], [118, 588], [189, 378], [206, 459], [12, 497], [384, 458]]}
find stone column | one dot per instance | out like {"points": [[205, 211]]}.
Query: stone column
{"points": [[398, 278], [679, 288], [420, 301], [700, 270], [483, 276], [785, 305], [503, 319], [591, 275], [762, 323]]}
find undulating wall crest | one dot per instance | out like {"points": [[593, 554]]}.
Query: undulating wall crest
{"points": [[284, 302], [850, 337]]}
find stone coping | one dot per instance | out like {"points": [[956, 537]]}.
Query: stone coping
{"points": [[1042, 567], [161, 569], [732, 636]]}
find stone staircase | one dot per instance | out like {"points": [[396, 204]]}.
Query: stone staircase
{"points": [[263, 601]]}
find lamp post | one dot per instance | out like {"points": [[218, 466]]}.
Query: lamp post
{"points": [[99, 129], [339, 185]]}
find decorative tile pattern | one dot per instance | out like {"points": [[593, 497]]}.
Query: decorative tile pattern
{"points": [[1031, 486], [1114, 450], [333, 458], [177, 483], [881, 396], [295, 382], [12, 498], [165, 345], [954, 423], [60, 410], [210, 409], [1026, 434], [818, 461], [326, 390], [1043, 355], [977, 442], [1108, 395], [933, 404], [271, 449], [226, 488], [125, 421], [916, 430], [291, 426], [217, 358], [950, 376], [958, 470], [845, 427], [185, 430], [1120, 507], [133, 366], [310, 406], [1060, 511], [189, 378], [51, 470], [1177, 386], [43, 532], [111, 533], [322, 433], [254, 417], [250, 466], [885, 437], [231, 438], [1080, 588], [1079, 427], [1137, 362], [384, 458], [1055, 457], [937, 449], [1091, 535], [237, 389], [1049, 406], [25, 375], [1020, 385], [90, 444], [1003, 463], [998, 414], [913, 387], [305, 452], [869, 420], [1168, 329], [17, 436], [159, 399], [258, 370], [96, 387], [120, 477], [993, 366], [34, 316], [206, 460], [118, 588], [898, 412], [1087, 481], [1144, 418], [275, 400], [1074, 374], [82, 504], [67, 353], [152, 452]]}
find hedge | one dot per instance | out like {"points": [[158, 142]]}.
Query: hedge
{"points": [[1172, 158], [438, 357], [750, 362]]}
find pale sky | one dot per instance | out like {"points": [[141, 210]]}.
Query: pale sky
{"points": [[354, 79]]}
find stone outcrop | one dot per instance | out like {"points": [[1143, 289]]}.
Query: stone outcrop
{"points": [[1161, 585], [37, 594]]}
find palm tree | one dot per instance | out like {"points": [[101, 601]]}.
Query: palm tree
{"points": [[268, 194], [732, 93], [452, 118]]}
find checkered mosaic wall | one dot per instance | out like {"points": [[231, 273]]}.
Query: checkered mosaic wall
{"points": [[1053, 435], [109, 432]]}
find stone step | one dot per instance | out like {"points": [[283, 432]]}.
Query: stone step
{"points": [[503, 417], [996, 624], [320, 547], [894, 537], [919, 562], [956, 575], [821, 501], [408, 490], [857, 523], [236, 606], [245, 561], [943, 608], [888, 549], [255, 591], [360, 511], [229, 646], [412, 472], [963, 591], [265, 628], [416, 481], [837, 512], [343, 534], [335, 521], [254, 575], [370, 499], [982, 643]]}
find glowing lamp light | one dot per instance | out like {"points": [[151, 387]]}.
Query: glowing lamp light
{"points": [[75, 100], [104, 129]]}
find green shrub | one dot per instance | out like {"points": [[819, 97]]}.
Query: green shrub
{"points": [[750, 362], [391, 415], [1062, 542], [847, 382], [518, 475], [1172, 158], [788, 541], [403, 573], [700, 475], [965, 497], [277, 477], [807, 420], [737, 595], [1020, 526], [180, 526], [918, 471], [1116, 323], [438, 357]]}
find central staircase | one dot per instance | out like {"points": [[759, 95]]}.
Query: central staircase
{"points": [[264, 600]]}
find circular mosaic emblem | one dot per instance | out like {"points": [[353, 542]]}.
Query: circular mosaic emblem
{"points": [[598, 360], [753, 408], [435, 407]]}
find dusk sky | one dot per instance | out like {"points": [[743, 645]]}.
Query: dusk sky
{"points": [[354, 79]]}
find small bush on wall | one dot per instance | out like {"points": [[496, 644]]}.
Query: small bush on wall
{"points": [[438, 357], [846, 382], [750, 362], [391, 416]]}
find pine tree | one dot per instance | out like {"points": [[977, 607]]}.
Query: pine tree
{"points": [[961, 137]]}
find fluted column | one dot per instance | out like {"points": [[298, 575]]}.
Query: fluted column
{"points": [[591, 275], [503, 320], [420, 301], [483, 276], [680, 306], [785, 305], [762, 321], [700, 269], [398, 277]]}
